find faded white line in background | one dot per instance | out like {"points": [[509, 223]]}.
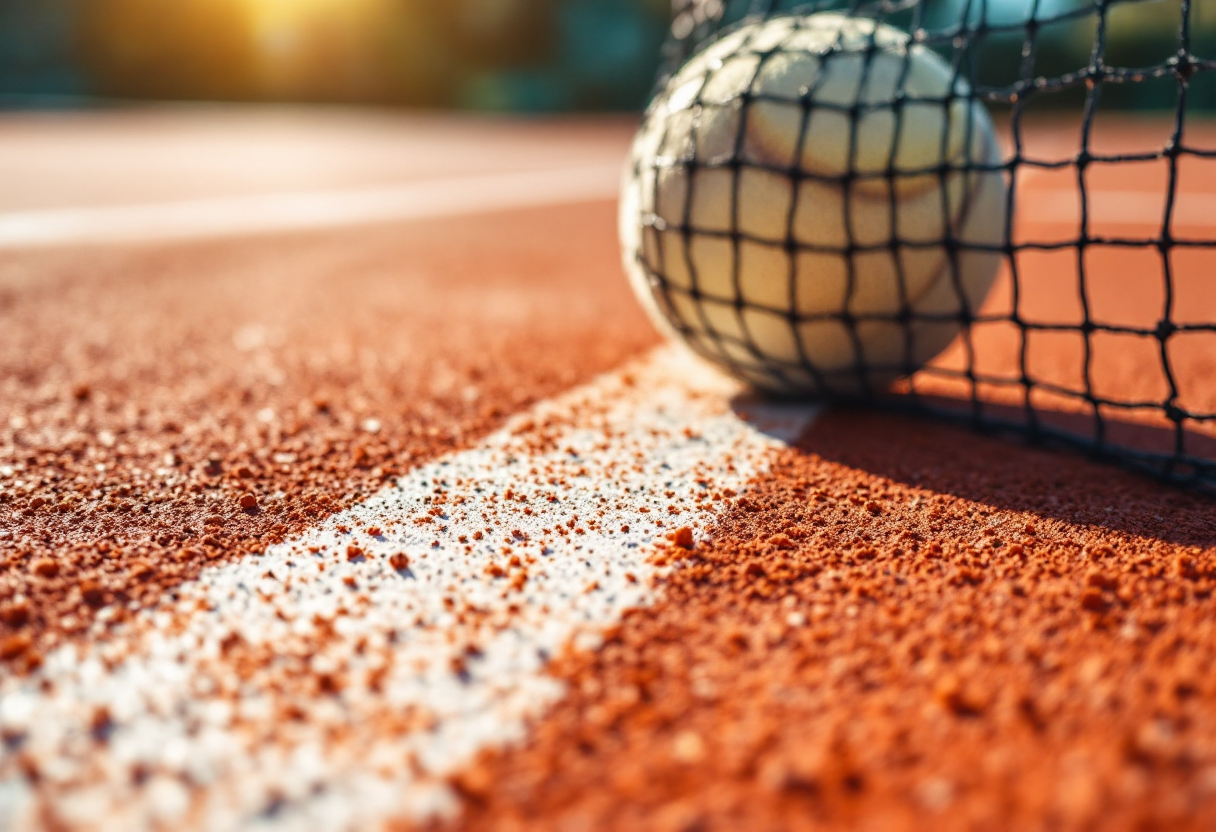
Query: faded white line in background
{"points": [[1143, 208], [271, 213], [336, 680]]}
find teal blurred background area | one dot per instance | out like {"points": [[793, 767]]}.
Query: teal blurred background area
{"points": [[1040, 51], [519, 55], [38, 60], [534, 55]]}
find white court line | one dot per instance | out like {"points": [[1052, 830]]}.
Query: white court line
{"points": [[300, 690], [269, 213], [1120, 207]]}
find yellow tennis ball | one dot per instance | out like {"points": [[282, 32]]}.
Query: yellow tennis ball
{"points": [[813, 203]]}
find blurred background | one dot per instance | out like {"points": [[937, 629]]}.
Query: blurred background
{"points": [[529, 55], [503, 55]]}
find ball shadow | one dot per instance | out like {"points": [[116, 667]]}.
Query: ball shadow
{"points": [[939, 456]]}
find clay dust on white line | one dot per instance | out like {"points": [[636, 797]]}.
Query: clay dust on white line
{"points": [[340, 678]]}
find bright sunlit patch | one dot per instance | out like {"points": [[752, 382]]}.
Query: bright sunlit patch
{"points": [[284, 26]]}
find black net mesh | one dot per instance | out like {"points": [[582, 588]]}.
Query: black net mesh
{"points": [[1099, 330]]}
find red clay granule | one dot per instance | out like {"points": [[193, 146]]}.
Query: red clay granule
{"points": [[45, 567], [682, 537], [92, 593], [143, 390], [16, 613], [248, 501], [13, 646], [1017, 640]]}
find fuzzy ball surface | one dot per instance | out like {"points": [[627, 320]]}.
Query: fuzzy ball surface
{"points": [[815, 204]]}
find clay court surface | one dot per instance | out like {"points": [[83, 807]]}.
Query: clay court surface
{"points": [[343, 483]]}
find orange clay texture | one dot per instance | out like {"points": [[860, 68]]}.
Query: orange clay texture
{"points": [[902, 627], [162, 408]]}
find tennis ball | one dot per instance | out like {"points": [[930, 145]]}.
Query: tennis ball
{"points": [[813, 203]]}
